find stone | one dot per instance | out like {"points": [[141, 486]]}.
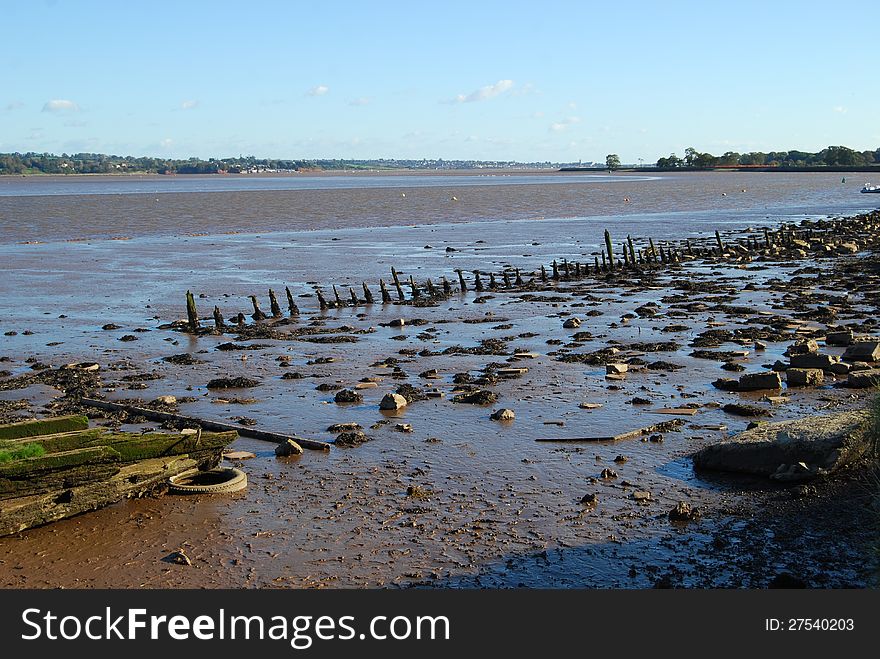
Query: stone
{"points": [[288, 448], [590, 499], [397, 322], [683, 512], [344, 427], [166, 400], [590, 406], [847, 248], [572, 323], [392, 402], [863, 379], [804, 377], [349, 439], [178, 558], [348, 396], [803, 346], [839, 338], [504, 414], [757, 381], [403, 427], [841, 368], [742, 409], [760, 345], [608, 474], [616, 369], [641, 495], [238, 455], [825, 443], [863, 351], [481, 397], [810, 360]]}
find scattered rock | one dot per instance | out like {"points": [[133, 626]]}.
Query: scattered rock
{"points": [[803, 347], [811, 360], [504, 414], [232, 383], [616, 369], [288, 448], [481, 397], [178, 558], [403, 427], [863, 351], [757, 381], [839, 338], [166, 400], [683, 512], [349, 439], [742, 409], [804, 377], [572, 323], [863, 379], [344, 427], [608, 474], [392, 402], [418, 492], [590, 499], [641, 495], [348, 396]]}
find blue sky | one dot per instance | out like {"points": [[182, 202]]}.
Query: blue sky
{"points": [[557, 81]]}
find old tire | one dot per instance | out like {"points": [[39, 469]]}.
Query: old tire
{"points": [[215, 481]]}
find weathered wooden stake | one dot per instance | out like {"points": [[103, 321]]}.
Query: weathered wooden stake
{"points": [[596, 259], [447, 287], [291, 305], [555, 270], [653, 253], [239, 319], [219, 325], [354, 298], [415, 289], [273, 303], [321, 301], [368, 295], [492, 284], [518, 281], [632, 250], [386, 296], [718, 240], [609, 249], [506, 278], [432, 292], [566, 268], [461, 281], [478, 283], [339, 302], [192, 315], [258, 314], [543, 273], [397, 284], [689, 249]]}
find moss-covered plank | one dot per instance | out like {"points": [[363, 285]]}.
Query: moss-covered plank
{"points": [[34, 467], [64, 441], [35, 427], [134, 446]]}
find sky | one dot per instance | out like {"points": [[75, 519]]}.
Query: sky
{"points": [[528, 81]]}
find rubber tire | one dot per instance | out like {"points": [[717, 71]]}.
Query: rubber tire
{"points": [[237, 481]]}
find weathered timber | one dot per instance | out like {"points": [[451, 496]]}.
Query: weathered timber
{"points": [[219, 325], [192, 316], [386, 296], [368, 294], [291, 305], [397, 284], [609, 249], [664, 426], [206, 424], [35, 427], [258, 314], [273, 304]]}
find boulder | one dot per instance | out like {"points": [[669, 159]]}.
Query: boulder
{"points": [[803, 346], [288, 448], [863, 379], [811, 360], [822, 443], [392, 402], [863, 351], [572, 323], [616, 369], [756, 381], [348, 396], [166, 400], [804, 377]]}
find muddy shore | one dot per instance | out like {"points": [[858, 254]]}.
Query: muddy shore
{"points": [[459, 499]]}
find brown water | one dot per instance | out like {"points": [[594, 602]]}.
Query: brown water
{"points": [[343, 519]]}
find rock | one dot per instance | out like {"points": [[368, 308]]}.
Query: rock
{"points": [[590, 406], [760, 345], [238, 455], [616, 369], [392, 402], [344, 427], [403, 427], [757, 381], [504, 414], [641, 495], [166, 400], [418, 492], [348, 396], [810, 360], [826, 442], [288, 448], [803, 347], [481, 397], [110, 326], [863, 351], [232, 383], [349, 439], [638, 400], [397, 322], [590, 499], [683, 512], [863, 379], [608, 473], [847, 248], [620, 459], [840, 368], [839, 338], [572, 323], [741, 409], [804, 377], [726, 384]]}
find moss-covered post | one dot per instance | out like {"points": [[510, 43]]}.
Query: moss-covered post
{"points": [[492, 283], [339, 302], [192, 315], [609, 249], [432, 292], [543, 273], [273, 303], [632, 249], [653, 251], [506, 277]]}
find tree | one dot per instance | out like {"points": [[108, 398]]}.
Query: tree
{"points": [[612, 161]]}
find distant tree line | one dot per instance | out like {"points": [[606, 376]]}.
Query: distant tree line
{"points": [[832, 156]]}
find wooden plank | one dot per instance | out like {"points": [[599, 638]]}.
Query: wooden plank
{"points": [[678, 411], [217, 426], [35, 427], [663, 426]]}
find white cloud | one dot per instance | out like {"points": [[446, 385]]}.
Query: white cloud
{"points": [[60, 105], [563, 124], [840, 109], [166, 143], [360, 102], [484, 93], [189, 105], [319, 90]]}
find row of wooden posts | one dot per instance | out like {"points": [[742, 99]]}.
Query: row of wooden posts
{"points": [[630, 258]]}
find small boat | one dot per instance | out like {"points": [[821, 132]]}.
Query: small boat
{"points": [[871, 188], [55, 468]]}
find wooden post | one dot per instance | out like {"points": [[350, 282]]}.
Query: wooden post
{"points": [[432, 292], [192, 315], [625, 254], [273, 303], [258, 314], [609, 249], [596, 259], [414, 288], [354, 298], [720, 244], [518, 281], [641, 258], [478, 283], [368, 295], [239, 319], [555, 270], [386, 296], [447, 287], [397, 283], [577, 269], [632, 250], [543, 273], [604, 263], [219, 325], [566, 266], [339, 302], [461, 281], [689, 249], [653, 253], [321, 301], [291, 305], [492, 284], [506, 277]]}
